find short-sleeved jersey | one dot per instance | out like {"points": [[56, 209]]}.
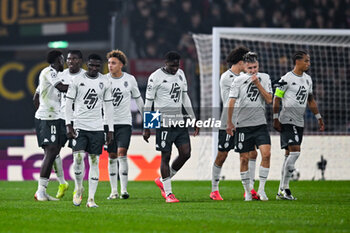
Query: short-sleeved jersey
{"points": [[251, 104], [49, 95], [123, 89], [66, 78], [88, 94], [294, 94], [226, 80], [166, 90]]}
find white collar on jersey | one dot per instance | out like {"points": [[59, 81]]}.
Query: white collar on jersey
{"points": [[116, 77], [297, 75]]}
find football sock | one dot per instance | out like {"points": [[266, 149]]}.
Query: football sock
{"points": [[79, 168], [113, 174], [42, 184], [93, 175], [245, 181], [172, 172], [123, 173], [282, 173], [57, 164], [251, 169], [215, 179], [263, 173], [167, 185], [289, 168]]}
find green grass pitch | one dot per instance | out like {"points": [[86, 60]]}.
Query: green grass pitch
{"points": [[322, 206]]}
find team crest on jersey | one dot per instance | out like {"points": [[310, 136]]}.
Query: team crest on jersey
{"points": [[90, 98], [252, 92], [53, 75], [126, 84], [175, 92], [180, 77], [117, 96], [100, 85]]}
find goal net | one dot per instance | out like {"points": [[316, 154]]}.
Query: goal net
{"points": [[330, 70]]}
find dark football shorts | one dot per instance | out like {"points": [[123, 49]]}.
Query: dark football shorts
{"points": [[48, 132], [121, 137], [89, 141], [226, 141], [247, 138], [165, 137], [291, 135]]}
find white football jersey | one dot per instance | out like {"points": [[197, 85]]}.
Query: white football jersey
{"points": [[251, 104], [294, 94], [49, 95], [66, 78], [123, 89], [88, 94], [166, 90], [226, 80]]}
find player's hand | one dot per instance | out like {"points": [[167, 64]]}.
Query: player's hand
{"points": [[230, 128], [109, 137], [277, 125], [255, 79], [70, 132], [321, 124], [196, 131], [146, 134]]}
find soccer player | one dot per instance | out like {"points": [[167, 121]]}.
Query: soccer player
{"points": [[295, 92], [226, 142], [251, 91], [48, 128], [167, 89], [124, 87], [74, 62], [88, 90]]}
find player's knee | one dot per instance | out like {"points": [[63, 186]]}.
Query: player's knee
{"points": [[93, 161], [122, 152], [266, 156], [113, 155], [253, 154], [78, 157], [220, 159], [244, 159]]}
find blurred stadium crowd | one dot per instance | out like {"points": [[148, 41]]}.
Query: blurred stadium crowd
{"points": [[160, 25]]}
